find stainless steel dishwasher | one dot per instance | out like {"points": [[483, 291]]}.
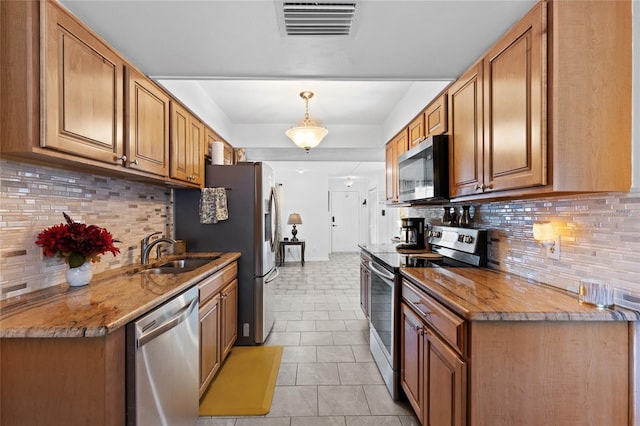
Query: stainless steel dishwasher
{"points": [[163, 364]]}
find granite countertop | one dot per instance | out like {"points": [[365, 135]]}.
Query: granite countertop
{"points": [[481, 294], [112, 299]]}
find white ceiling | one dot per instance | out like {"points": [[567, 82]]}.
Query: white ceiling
{"points": [[230, 63]]}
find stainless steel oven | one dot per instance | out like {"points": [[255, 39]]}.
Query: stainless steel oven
{"points": [[384, 336]]}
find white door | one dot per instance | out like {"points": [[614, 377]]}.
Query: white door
{"points": [[345, 220]]}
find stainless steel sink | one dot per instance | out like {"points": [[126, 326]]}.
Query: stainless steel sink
{"points": [[178, 266], [186, 263]]}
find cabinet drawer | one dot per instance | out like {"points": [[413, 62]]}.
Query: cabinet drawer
{"points": [[448, 325], [213, 284]]}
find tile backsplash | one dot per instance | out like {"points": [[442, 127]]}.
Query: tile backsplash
{"points": [[33, 197], [600, 237]]}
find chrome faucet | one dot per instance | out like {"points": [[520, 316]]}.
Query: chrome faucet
{"points": [[146, 246]]}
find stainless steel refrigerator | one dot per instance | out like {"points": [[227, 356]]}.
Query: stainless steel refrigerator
{"points": [[251, 229]]}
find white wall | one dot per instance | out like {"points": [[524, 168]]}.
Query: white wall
{"points": [[307, 195]]}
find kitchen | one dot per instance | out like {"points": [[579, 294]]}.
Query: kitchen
{"points": [[148, 208]]}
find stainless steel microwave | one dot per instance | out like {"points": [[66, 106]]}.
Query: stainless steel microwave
{"points": [[423, 171]]}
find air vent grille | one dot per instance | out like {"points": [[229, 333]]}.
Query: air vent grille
{"points": [[318, 18]]}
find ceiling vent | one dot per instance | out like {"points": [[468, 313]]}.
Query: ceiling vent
{"points": [[318, 18]]}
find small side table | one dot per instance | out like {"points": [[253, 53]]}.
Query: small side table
{"points": [[283, 246]]}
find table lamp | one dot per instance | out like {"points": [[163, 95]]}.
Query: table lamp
{"points": [[294, 219]]}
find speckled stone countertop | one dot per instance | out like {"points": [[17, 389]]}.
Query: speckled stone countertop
{"points": [[111, 300], [481, 294]]}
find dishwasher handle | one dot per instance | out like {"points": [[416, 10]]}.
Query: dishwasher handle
{"points": [[172, 322], [383, 273]]}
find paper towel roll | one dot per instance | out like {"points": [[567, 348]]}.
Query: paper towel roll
{"points": [[217, 152]]}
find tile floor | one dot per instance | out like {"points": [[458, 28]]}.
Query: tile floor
{"points": [[327, 375]]}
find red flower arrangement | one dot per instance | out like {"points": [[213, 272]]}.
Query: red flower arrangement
{"points": [[76, 242]]}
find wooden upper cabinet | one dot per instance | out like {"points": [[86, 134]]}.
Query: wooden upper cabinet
{"points": [[514, 106], [435, 117], [187, 146], [148, 142], [396, 147], [465, 133], [416, 131], [389, 159], [83, 90], [228, 154]]}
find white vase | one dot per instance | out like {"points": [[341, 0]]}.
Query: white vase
{"points": [[79, 276]]}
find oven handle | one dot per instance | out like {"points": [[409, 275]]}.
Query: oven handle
{"points": [[381, 272]]}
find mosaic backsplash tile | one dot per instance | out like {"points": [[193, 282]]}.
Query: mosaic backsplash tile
{"points": [[600, 233], [33, 197], [600, 237]]}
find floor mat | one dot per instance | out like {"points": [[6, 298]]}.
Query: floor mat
{"points": [[244, 385]]}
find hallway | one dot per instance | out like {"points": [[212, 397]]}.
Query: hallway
{"points": [[327, 376]]}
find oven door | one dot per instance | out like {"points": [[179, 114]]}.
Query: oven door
{"points": [[385, 303]]}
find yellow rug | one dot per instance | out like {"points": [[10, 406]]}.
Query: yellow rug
{"points": [[245, 383]]}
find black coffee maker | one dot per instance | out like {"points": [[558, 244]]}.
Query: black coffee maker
{"points": [[411, 233]]}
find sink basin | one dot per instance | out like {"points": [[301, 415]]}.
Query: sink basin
{"points": [[178, 266], [185, 263]]}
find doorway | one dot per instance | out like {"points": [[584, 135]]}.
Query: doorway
{"points": [[345, 221]]}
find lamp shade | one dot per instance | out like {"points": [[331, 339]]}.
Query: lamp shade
{"points": [[294, 219], [543, 231], [306, 136]]}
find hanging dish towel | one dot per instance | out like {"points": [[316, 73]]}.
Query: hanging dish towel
{"points": [[213, 205]]}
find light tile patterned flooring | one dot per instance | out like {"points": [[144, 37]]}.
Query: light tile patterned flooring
{"points": [[327, 375]]}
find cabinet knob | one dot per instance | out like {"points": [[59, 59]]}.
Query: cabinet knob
{"points": [[122, 159], [134, 162]]}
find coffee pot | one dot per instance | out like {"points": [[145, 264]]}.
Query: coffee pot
{"points": [[412, 233]]}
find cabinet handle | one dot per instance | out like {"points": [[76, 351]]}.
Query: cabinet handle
{"points": [[122, 159], [134, 162]]}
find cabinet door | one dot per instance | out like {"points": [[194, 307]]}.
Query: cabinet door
{"points": [[229, 329], [228, 154], [187, 146], [465, 133], [83, 91], [514, 106], [435, 117], [416, 131], [195, 152], [148, 144], [400, 146], [209, 341], [411, 359], [446, 385], [390, 159]]}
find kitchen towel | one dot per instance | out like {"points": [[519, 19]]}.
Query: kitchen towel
{"points": [[213, 205]]}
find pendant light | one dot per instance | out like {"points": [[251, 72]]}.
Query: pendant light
{"points": [[308, 134]]}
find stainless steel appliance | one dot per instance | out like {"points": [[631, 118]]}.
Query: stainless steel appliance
{"points": [[411, 233], [450, 247], [251, 229], [423, 171], [162, 364]]}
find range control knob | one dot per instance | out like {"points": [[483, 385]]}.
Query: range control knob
{"points": [[437, 234], [468, 239], [460, 238]]}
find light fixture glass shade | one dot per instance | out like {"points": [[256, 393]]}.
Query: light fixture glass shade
{"points": [[307, 136], [294, 219], [543, 231]]}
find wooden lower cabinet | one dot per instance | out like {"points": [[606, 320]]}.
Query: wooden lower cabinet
{"points": [[504, 373], [229, 316], [432, 375], [209, 340], [218, 321], [63, 381]]}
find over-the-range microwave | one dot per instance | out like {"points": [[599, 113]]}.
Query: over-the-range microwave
{"points": [[423, 171]]}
